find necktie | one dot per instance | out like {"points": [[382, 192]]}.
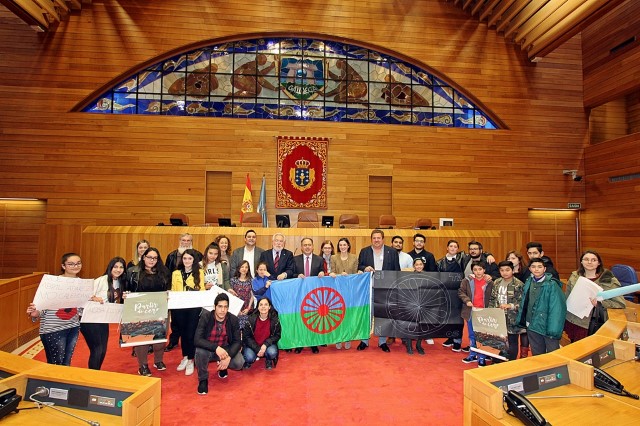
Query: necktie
{"points": [[276, 261], [306, 267]]}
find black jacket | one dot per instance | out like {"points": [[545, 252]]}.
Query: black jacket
{"points": [[275, 330], [203, 332], [548, 263]]}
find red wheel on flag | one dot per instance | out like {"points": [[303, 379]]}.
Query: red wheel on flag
{"points": [[322, 310]]}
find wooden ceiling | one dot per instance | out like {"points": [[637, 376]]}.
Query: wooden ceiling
{"points": [[538, 26], [43, 15]]}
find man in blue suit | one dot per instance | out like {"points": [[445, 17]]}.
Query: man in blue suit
{"points": [[377, 257], [279, 260]]}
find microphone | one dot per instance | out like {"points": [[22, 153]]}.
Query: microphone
{"points": [[635, 358], [595, 395], [42, 391]]}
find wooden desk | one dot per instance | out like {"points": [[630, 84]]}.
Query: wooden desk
{"points": [[142, 407], [483, 400], [101, 243]]}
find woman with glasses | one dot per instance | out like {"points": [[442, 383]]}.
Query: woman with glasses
{"points": [[149, 276], [592, 269], [106, 289], [188, 277], [59, 328]]}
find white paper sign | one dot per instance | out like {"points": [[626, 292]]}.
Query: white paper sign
{"points": [[235, 303], [96, 312], [190, 299], [57, 292], [579, 301]]}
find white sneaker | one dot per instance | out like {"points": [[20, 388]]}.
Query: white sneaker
{"points": [[338, 345], [429, 341], [347, 345], [189, 370], [183, 364]]}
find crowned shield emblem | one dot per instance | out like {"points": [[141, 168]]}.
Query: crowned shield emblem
{"points": [[302, 176], [301, 79]]}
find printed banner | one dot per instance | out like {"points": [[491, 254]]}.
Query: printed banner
{"points": [[317, 311], [235, 303], [57, 292], [190, 299], [96, 312], [416, 305], [490, 329], [144, 319], [302, 173]]}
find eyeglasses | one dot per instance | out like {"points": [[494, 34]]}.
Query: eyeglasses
{"points": [[74, 265], [152, 258]]}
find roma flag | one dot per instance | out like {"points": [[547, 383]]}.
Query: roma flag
{"points": [[317, 311], [247, 200]]}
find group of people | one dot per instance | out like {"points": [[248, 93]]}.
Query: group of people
{"points": [[531, 296]]}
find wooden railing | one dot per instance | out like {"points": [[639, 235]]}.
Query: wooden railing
{"points": [[15, 295]]}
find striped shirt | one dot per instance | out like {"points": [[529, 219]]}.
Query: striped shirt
{"points": [[57, 320]]}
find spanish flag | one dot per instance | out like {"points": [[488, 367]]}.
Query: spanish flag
{"points": [[247, 201]]}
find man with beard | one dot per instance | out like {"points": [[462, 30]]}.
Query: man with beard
{"points": [[419, 252], [249, 252]]}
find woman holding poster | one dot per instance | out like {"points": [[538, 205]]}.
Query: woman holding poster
{"points": [[188, 277], [592, 269], [149, 276], [59, 329], [106, 289]]}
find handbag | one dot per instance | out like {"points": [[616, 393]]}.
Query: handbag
{"points": [[598, 318]]}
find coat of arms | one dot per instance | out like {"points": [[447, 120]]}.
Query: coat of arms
{"points": [[301, 79], [302, 176]]}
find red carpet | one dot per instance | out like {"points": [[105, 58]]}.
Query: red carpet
{"points": [[333, 387]]}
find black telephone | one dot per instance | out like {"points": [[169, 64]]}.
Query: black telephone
{"points": [[520, 407], [9, 402], [604, 381]]}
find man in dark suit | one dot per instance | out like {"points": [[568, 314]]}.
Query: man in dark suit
{"points": [[308, 264], [279, 260], [249, 252], [377, 257]]}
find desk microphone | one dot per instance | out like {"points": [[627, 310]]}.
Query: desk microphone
{"points": [[42, 391], [595, 395], [635, 358]]}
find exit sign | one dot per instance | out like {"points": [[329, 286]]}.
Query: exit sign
{"points": [[574, 206]]}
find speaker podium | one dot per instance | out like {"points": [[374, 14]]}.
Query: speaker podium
{"points": [[104, 397]]}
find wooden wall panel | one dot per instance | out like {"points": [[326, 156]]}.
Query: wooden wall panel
{"points": [[633, 113], [610, 75], [557, 232], [380, 198], [134, 170], [611, 223], [608, 121], [20, 223], [218, 194]]}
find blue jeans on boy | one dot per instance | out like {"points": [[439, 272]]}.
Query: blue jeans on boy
{"points": [[250, 356], [472, 340], [59, 345]]}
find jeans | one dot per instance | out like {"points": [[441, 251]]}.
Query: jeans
{"points": [[250, 356], [97, 336], [542, 344], [472, 340], [204, 357], [142, 353], [59, 345]]}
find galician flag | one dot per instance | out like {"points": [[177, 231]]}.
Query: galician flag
{"points": [[247, 200], [262, 203], [317, 311]]}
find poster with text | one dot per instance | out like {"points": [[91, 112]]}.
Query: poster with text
{"points": [[144, 319], [490, 328]]}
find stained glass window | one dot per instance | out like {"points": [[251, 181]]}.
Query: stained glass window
{"points": [[294, 79]]}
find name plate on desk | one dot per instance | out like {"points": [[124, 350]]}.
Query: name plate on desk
{"points": [[600, 357], [100, 400], [536, 382]]}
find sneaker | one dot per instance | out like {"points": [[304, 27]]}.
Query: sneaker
{"points": [[430, 342], [482, 363], [456, 347], [160, 366], [448, 343], [189, 370], [268, 364], [362, 346], [183, 364], [246, 366], [347, 345], [470, 359], [144, 370], [223, 374], [203, 387], [338, 345], [466, 349]]}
